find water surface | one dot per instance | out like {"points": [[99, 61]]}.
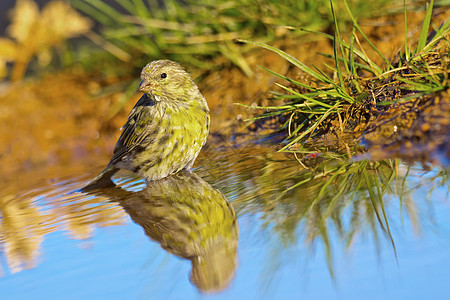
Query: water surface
{"points": [[250, 223]]}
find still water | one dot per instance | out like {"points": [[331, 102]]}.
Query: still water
{"points": [[249, 223]]}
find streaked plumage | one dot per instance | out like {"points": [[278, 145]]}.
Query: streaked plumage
{"points": [[165, 130]]}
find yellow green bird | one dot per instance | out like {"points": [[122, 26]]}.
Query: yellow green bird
{"points": [[165, 130]]}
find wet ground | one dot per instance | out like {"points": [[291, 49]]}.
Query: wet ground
{"points": [[270, 225]]}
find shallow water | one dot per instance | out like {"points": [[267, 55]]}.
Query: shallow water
{"points": [[250, 223]]}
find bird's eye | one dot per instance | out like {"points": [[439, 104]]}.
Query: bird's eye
{"points": [[163, 75]]}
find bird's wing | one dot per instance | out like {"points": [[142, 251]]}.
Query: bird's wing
{"points": [[139, 126]]}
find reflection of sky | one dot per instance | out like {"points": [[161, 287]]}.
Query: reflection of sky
{"points": [[120, 262]]}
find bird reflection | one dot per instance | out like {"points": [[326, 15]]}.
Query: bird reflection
{"points": [[190, 219]]}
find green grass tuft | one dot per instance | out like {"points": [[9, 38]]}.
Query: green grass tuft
{"points": [[308, 108]]}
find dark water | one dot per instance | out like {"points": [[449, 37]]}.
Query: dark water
{"points": [[249, 224]]}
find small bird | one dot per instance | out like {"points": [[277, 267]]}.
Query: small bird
{"points": [[165, 130]]}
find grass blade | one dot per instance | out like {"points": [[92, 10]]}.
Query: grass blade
{"points": [[407, 54], [289, 58], [355, 23], [425, 27]]}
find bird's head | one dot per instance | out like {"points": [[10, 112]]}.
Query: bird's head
{"points": [[165, 80]]}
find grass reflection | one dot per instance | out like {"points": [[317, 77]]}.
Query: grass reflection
{"points": [[315, 197]]}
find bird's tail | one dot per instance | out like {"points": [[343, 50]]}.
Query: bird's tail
{"points": [[102, 180]]}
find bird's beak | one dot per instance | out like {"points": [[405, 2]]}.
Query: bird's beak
{"points": [[144, 86]]}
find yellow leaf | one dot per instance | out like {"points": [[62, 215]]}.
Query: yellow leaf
{"points": [[63, 21], [24, 18], [2, 68], [8, 49], [35, 32]]}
